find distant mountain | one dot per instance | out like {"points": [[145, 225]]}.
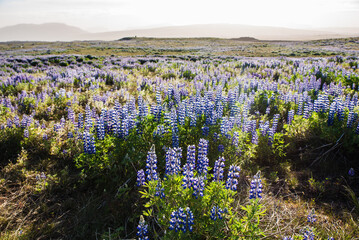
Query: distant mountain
{"points": [[63, 32], [42, 32]]}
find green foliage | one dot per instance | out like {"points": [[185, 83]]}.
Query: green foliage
{"points": [[248, 226], [232, 225], [215, 194], [188, 75], [168, 76]]}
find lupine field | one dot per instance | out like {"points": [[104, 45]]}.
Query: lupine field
{"points": [[181, 144]]}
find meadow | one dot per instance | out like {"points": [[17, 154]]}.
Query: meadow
{"points": [[179, 139]]}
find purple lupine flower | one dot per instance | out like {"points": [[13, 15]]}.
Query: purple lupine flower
{"points": [[205, 131], [191, 156], [351, 118], [140, 178], [9, 123], [142, 229], [26, 133], [254, 137], [216, 213], [256, 187], [100, 129], [232, 180], [308, 234], [311, 218], [89, 143], [331, 113], [160, 191], [202, 167], [187, 175], [351, 172], [175, 221], [197, 183], [218, 169], [220, 148], [190, 219], [290, 116], [70, 135], [181, 220], [80, 121], [173, 161], [151, 164]]}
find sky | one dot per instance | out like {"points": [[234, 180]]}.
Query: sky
{"points": [[108, 15]]}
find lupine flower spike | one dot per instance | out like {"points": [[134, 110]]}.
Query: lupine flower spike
{"points": [[151, 165], [181, 220], [311, 217], [232, 180], [256, 187], [216, 213], [351, 172], [142, 229], [140, 178]]}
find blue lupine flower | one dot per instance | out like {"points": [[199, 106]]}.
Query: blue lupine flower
{"points": [[256, 187], [181, 220], [218, 169], [351, 118], [70, 135], [205, 131], [308, 234], [197, 184], [8, 123], [202, 167], [173, 161], [190, 219], [80, 120], [160, 191], [288, 238], [187, 175], [216, 213], [332, 110], [71, 115], [232, 180], [89, 143], [100, 129], [151, 165], [140, 178], [340, 110], [215, 137], [142, 229], [220, 148], [268, 110], [351, 172], [290, 116], [254, 137], [175, 221], [26, 133], [191, 156], [160, 130], [124, 130], [311, 217]]}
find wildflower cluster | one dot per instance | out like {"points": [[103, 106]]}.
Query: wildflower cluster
{"points": [[181, 220]]}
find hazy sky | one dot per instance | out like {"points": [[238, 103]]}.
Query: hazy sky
{"points": [[96, 15]]}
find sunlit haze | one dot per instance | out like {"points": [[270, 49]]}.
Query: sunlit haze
{"points": [[105, 15]]}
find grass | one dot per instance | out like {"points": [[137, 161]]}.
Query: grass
{"points": [[185, 46]]}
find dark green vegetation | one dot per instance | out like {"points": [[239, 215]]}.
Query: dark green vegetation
{"points": [[52, 189]]}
